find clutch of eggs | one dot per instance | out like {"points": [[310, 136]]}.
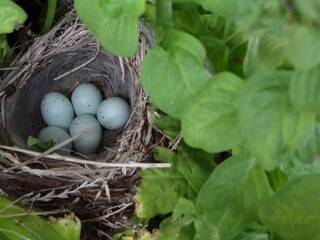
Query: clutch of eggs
{"points": [[91, 111]]}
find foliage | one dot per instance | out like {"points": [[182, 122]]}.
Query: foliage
{"points": [[36, 145], [19, 223], [230, 75], [11, 17]]}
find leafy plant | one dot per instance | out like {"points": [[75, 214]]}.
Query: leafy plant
{"points": [[19, 223], [236, 76], [11, 17]]}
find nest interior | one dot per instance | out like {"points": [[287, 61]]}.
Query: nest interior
{"points": [[104, 71], [59, 61]]}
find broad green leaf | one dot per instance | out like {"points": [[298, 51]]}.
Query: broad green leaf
{"points": [[294, 167], [309, 151], [118, 35], [118, 8], [277, 178], [305, 88], [174, 74], [160, 188], [17, 223], [188, 20], [257, 17], [255, 232], [293, 211], [218, 53], [309, 9], [10, 15], [271, 126], [176, 227], [205, 229], [225, 8], [302, 48], [195, 165], [211, 121], [230, 198], [167, 124], [264, 53], [187, 233]]}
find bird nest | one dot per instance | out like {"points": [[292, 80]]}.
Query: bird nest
{"points": [[99, 187]]}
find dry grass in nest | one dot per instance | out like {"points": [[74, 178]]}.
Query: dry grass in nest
{"points": [[98, 188]]}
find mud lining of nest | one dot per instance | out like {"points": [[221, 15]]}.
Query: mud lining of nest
{"points": [[58, 61]]}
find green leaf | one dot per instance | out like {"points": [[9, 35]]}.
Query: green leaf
{"points": [[305, 88], [205, 229], [257, 17], [302, 48], [231, 196], [176, 227], [118, 35], [211, 120], [118, 8], [294, 167], [277, 178], [124, 235], [264, 53], [224, 8], [309, 151], [168, 125], [3, 47], [160, 188], [188, 20], [36, 145], [174, 74], [214, 24], [218, 53], [10, 15], [195, 165], [272, 128], [293, 212], [16, 222], [255, 232], [309, 9]]}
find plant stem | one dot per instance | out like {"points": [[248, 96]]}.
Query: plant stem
{"points": [[163, 12], [52, 5], [163, 16]]}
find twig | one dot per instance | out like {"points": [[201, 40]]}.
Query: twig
{"points": [[81, 161], [50, 150], [59, 145], [109, 214], [30, 214]]}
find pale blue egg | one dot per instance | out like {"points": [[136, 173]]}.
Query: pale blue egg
{"points": [[85, 99], [88, 143], [113, 113], [57, 110], [57, 135]]}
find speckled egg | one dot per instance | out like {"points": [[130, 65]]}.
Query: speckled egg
{"points": [[57, 110], [85, 99], [113, 113], [88, 143], [57, 135]]}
